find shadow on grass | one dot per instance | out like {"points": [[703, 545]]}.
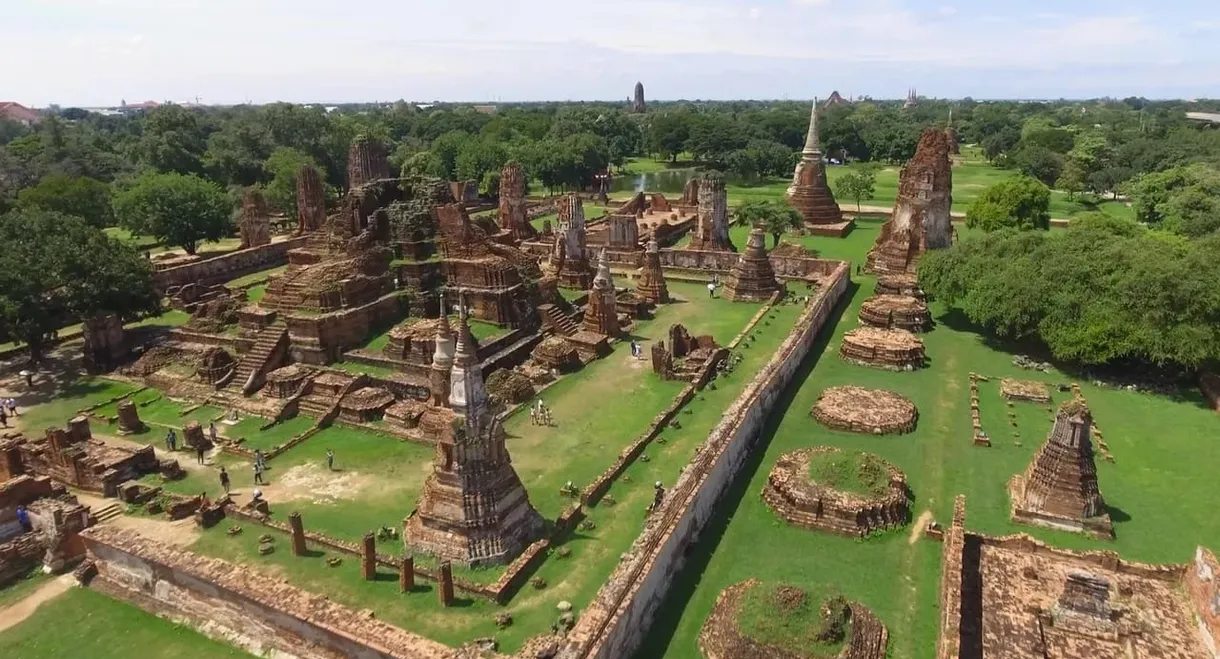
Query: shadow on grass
{"points": [[699, 555]]}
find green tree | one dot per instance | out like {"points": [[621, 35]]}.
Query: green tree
{"points": [[236, 152], [1000, 143], [775, 217], [476, 157], [1020, 202], [84, 197], [858, 185], [177, 209], [173, 141], [1039, 162], [56, 266], [667, 134], [1072, 178], [281, 168], [1185, 200]]}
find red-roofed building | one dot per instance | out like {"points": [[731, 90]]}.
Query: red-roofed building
{"points": [[13, 111]]}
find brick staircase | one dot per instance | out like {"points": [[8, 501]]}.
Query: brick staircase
{"points": [[248, 376], [557, 320], [107, 513], [315, 406]]}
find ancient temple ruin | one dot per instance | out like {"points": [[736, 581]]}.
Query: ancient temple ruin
{"points": [[752, 278], [569, 259], [651, 283], [366, 162], [513, 215], [712, 224], [1059, 489], [638, 105], [311, 200], [921, 218], [799, 498], [254, 228], [473, 509], [951, 136], [809, 192], [601, 315]]}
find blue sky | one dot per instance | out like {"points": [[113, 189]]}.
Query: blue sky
{"points": [[96, 52]]}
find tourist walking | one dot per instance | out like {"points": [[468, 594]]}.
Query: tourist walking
{"points": [[199, 452], [533, 416], [258, 473], [23, 518], [259, 458], [330, 460], [711, 289], [224, 479], [212, 431], [171, 440], [3, 417], [12, 407]]}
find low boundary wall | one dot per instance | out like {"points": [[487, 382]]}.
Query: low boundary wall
{"points": [[621, 613], [221, 269]]}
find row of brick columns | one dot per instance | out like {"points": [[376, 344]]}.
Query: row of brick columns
{"points": [[368, 563]]}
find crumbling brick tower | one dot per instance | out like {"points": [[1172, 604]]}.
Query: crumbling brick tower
{"points": [[311, 200], [473, 509], [921, 214], [574, 271], [366, 162], [651, 285], [752, 279], [712, 225], [255, 227], [809, 193], [513, 217], [951, 136], [1059, 489], [638, 105], [601, 315]]}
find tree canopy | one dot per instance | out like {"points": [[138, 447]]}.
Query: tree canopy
{"points": [[1019, 202], [775, 217], [1185, 200], [84, 197], [177, 209]]}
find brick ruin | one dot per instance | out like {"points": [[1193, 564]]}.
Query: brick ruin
{"points": [[473, 509], [890, 349], [869, 411], [638, 105], [513, 216], [712, 225], [798, 499], [105, 343], [690, 192], [366, 162], [896, 312], [809, 192], [1059, 488], [685, 356], [56, 518], [951, 136], [752, 279], [651, 283], [1015, 597], [903, 283], [311, 200], [1030, 391], [569, 258], [601, 314], [921, 220], [255, 224], [721, 636]]}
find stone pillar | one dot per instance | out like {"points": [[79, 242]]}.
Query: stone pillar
{"points": [[444, 586], [311, 199], [298, 534], [129, 418], [368, 557], [78, 427], [406, 574], [104, 345], [192, 435]]}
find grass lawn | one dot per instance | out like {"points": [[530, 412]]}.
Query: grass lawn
{"points": [[256, 277], [12, 593], [789, 618], [86, 623], [280, 433], [649, 165], [84, 392], [170, 318], [1159, 444]]}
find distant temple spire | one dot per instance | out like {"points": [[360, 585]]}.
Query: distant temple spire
{"points": [[813, 147]]}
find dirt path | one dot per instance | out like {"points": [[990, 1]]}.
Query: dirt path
{"points": [[17, 613], [918, 526]]}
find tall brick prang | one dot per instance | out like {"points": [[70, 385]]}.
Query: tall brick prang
{"points": [[921, 218]]}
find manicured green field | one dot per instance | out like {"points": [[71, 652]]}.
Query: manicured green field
{"points": [[1160, 488], [85, 623]]}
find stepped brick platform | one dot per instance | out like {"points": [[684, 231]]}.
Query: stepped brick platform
{"points": [[1059, 489], [904, 283], [752, 278], [797, 499], [921, 218], [871, 411], [1030, 391], [721, 637], [1015, 597], [896, 312], [890, 349], [809, 192]]}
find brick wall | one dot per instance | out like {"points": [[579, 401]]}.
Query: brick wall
{"points": [[1203, 588], [621, 613], [223, 268]]}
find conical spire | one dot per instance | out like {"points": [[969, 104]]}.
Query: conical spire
{"points": [[950, 117], [442, 357], [603, 272], [813, 147], [467, 391], [465, 354]]}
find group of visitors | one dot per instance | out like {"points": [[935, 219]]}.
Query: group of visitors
{"points": [[540, 414], [8, 408]]}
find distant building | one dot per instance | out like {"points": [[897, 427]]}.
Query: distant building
{"points": [[912, 99], [1210, 117], [637, 103], [16, 112], [133, 108], [484, 109], [835, 99]]}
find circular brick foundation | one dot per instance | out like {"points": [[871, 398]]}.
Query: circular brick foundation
{"points": [[871, 411], [896, 312], [891, 349], [798, 499], [899, 284]]}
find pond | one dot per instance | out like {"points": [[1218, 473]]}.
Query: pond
{"points": [[670, 180]]}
